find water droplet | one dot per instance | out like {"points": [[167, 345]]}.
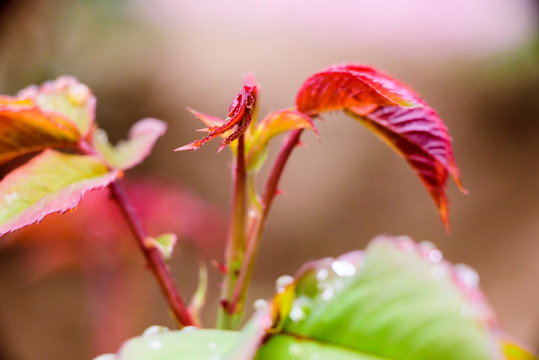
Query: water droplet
{"points": [[260, 304], [429, 251], [438, 272], [327, 294], [155, 344], [294, 350], [467, 275], [282, 282], [343, 268], [154, 330], [10, 198], [252, 213], [212, 346], [106, 357], [405, 243], [79, 94], [101, 136], [190, 328], [296, 313], [322, 274]]}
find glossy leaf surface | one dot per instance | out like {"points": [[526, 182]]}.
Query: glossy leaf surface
{"points": [[50, 182], [184, 345], [25, 128], [346, 86], [238, 119], [396, 301], [66, 97], [395, 113], [126, 154], [283, 347]]}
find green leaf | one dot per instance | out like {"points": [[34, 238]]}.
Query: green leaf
{"points": [[25, 128], [397, 301], [288, 347], [68, 97], [188, 344], [50, 182], [126, 154]]}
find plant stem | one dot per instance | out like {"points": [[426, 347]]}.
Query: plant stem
{"points": [[235, 250], [256, 226], [155, 260]]}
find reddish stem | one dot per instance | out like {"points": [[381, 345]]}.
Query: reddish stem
{"points": [[257, 226], [155, 260], [236, 239]]}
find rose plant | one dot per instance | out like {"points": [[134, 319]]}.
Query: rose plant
{"points": [[395, 300]]}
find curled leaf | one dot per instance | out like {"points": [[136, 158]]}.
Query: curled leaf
{"points": [[126, 154], [67, 97], [420, 137], [345, 86], [25, 128], [238, 119], [50, 182], [395, 113]]}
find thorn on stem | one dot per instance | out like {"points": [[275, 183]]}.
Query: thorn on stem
{"points": [[222, 268]]}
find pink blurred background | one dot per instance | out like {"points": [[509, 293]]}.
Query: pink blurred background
{"points": [[476, 62]]}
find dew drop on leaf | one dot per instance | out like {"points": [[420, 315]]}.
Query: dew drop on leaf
{"points": [[155, 344], [467, 275], [322, 274], [106, 357], [282, 282], [154, 330], [343, 268]]}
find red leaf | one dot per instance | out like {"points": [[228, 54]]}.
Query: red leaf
{"points": [[420, 137], [395, 113], [347, 85], [239, 113]]}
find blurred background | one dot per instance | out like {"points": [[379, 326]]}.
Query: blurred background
{"points": [[75, 286]]}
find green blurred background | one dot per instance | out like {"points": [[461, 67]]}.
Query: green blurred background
{"points": [[476, 62]]}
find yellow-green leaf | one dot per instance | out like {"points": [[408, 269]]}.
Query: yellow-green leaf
{"points": [[50, 182], [67, 97]]}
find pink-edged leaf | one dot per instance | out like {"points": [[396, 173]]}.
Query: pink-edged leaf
{"points": [[25, 128], [395, 300], [344, 86], [126, 154], [239, 113], [274, 124], [50, 182], [421, 138], [66, 97], [395, 113]]}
